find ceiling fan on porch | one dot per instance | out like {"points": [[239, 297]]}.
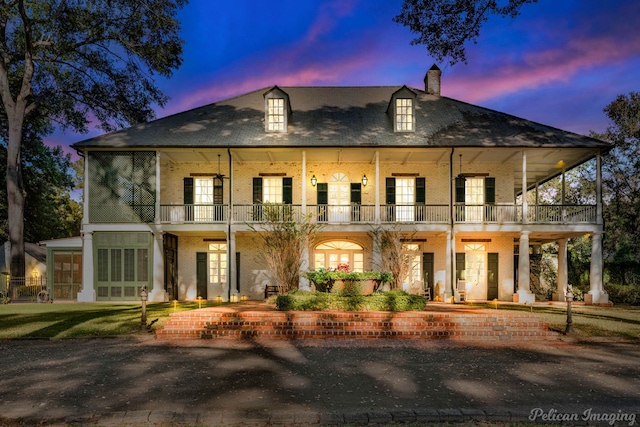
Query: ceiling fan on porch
{"points": [[461, 175], [219, 175]]}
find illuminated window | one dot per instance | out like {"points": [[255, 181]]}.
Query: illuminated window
{"points": [[404, 114], [412, 251], [275, 115], [203, 189], [405, 198], [474, 199], [272, 190], [330, 254], [217, 263]]}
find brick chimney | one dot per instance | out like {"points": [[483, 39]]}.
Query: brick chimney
{"points": [[432, 81]]}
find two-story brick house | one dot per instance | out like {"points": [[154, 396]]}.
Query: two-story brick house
{"points": [[168, 204]]}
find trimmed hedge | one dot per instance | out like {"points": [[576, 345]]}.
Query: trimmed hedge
{"points": [[623, 294], [350, 301]]}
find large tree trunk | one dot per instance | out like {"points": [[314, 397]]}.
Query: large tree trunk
{"points": [[15, 199]]}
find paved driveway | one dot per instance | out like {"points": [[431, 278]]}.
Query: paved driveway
{"points": [[134, 381]]}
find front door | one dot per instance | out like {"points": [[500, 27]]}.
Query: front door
{"points": [[428, 271], [201, 274], [492, 276], [170, 242]]}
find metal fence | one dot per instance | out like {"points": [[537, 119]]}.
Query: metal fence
{"points": [[25, 288]]}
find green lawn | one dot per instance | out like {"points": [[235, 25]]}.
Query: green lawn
{"points": [[102, 319], [588, 321], [82, 319]]}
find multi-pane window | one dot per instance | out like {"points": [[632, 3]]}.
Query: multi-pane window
{"points": [[203, 191], [217, 263], [474, 199], [404, 114], [123, 264], [414, 273], [203, 197], [405, 198], [275, 114], [272, 190], [331, 254]]}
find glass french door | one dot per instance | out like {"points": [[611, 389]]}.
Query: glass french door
{"points": [[339, 198]]}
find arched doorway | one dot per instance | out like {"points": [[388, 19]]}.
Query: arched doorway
{"points": [[330, 254]]}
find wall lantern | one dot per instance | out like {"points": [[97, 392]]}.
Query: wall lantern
{"points": [[314, 180], [364, 180]]}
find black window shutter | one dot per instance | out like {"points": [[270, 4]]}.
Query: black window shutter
{"points": [[356, 193], [391, 191], [287, 190], [460, 189], [323, 193], [490, 190], [421, 191], [257, 190], [188, 191], [460, 265]]}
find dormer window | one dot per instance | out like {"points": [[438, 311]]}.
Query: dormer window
{"points": [[404, 114], [402, 109], [277, 110], [275, 115]]}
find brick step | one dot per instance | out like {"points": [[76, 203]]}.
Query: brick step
{"points": [[457, 324]]}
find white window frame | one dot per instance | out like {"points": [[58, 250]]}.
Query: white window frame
{"points": [[276, 115], [272, 190], [404, 115], [474, 199], [405, 199]]}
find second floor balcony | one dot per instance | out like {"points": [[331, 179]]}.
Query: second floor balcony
{"points": [[372, 214]]}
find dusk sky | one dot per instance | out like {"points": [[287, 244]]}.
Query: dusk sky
{"points": [[559, 63]]}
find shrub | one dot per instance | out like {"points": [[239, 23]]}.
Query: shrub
{"points": [[352, 300], [623, 294]]}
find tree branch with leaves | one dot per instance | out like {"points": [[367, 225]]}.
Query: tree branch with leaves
{"points": [[283, 240], [65, 61], [445, 26]]}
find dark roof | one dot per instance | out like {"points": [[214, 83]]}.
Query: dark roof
{"points": [[340, 117], [37, 252]]}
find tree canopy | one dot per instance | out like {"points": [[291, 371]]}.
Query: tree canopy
{"points": [[73, 62], [445, 26], [621, 179]]}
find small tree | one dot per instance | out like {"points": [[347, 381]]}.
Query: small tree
{"points": [[388, 243], [283, 240]]}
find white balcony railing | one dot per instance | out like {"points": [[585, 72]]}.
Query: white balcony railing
{"points": [[553, 214], [366, 214]]}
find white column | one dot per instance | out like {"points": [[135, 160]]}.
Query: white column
{"points": [[377, 188], [88, 293], [304, 183], [563, 271], [524, 288], [157, 292], [232, 268], [158, 215], [85, 191], [449, 281], [597, 292], [525, 203], [304, 266]]}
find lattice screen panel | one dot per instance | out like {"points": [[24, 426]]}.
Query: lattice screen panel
{"points": [[122, 186]]}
